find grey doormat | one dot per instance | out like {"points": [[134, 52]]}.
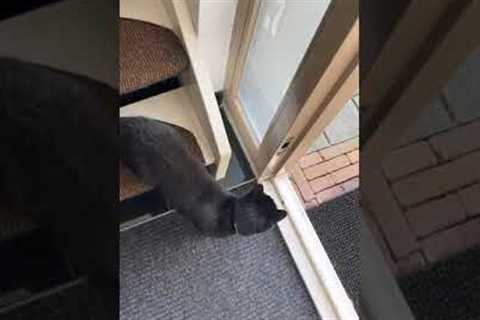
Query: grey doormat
{"points": [[338, 226], [169, 272], [450, 290]]}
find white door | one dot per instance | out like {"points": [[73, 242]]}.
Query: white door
{"points": [[288, 61], [293, 65]]}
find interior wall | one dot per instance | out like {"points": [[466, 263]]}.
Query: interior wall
{"points": [[214, 23], [194, 6], [77, 36]]}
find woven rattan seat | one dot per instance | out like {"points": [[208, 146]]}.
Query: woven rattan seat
{"points": [[149, 54]]}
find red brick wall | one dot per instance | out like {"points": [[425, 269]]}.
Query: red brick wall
{"points": [[326, 174]]}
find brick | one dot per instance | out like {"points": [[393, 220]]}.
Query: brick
{"points": [[351, 185], [431, 120], [471, 233], [309, 160], [306, 191], [326, 167], [354, 156], [346, 173], [443, 245], [438, 180], [311, 204], [436, 215], [329, 194], [296, 174], [458, 141], [452, 241], [409, 159], [340, 148], [379, 199], [412, 263], [471, 199], [302, 184], [322, 183], [297, 190]]}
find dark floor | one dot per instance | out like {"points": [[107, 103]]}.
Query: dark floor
{"points": [[447, 291], [337, 224]]}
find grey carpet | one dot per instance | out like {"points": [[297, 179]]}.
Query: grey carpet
{"points": [[449, 290], [338, 226], [169, 272]]}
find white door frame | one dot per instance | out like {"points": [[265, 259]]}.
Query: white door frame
{"points": [[312, 261], [331, 58], [326, 90], [321, 280]]}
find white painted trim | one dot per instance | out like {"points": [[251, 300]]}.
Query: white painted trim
{"points": [[214, 28], [338, 37], [315, 268], [200, 87], [153, 11]]}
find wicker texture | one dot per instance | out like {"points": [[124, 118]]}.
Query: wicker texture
{"points": [[131, 185], [149, 54]]}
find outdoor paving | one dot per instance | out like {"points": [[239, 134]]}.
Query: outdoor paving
{"points": [[428, 208], [343, 127], [331, 166]]}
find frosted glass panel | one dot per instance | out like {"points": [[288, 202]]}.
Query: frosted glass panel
{"points": [[283, 31]]}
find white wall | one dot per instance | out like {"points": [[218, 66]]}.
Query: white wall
{"points": [[214, 20], [77, 36], [214, 27], [154, 11]]}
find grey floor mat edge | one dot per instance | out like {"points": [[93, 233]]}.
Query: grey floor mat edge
{"points": [[337, 224]]}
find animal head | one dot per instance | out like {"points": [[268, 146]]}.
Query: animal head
{"points": [[255, 212]]}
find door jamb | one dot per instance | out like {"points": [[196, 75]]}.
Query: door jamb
{"points": [[321, 280], [339, 30]]}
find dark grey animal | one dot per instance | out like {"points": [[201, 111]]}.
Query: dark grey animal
{"points": [[59, 152], [58, 163], [155, 152]]}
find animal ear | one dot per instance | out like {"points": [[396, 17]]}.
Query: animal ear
{"points": [[278, 215]]}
